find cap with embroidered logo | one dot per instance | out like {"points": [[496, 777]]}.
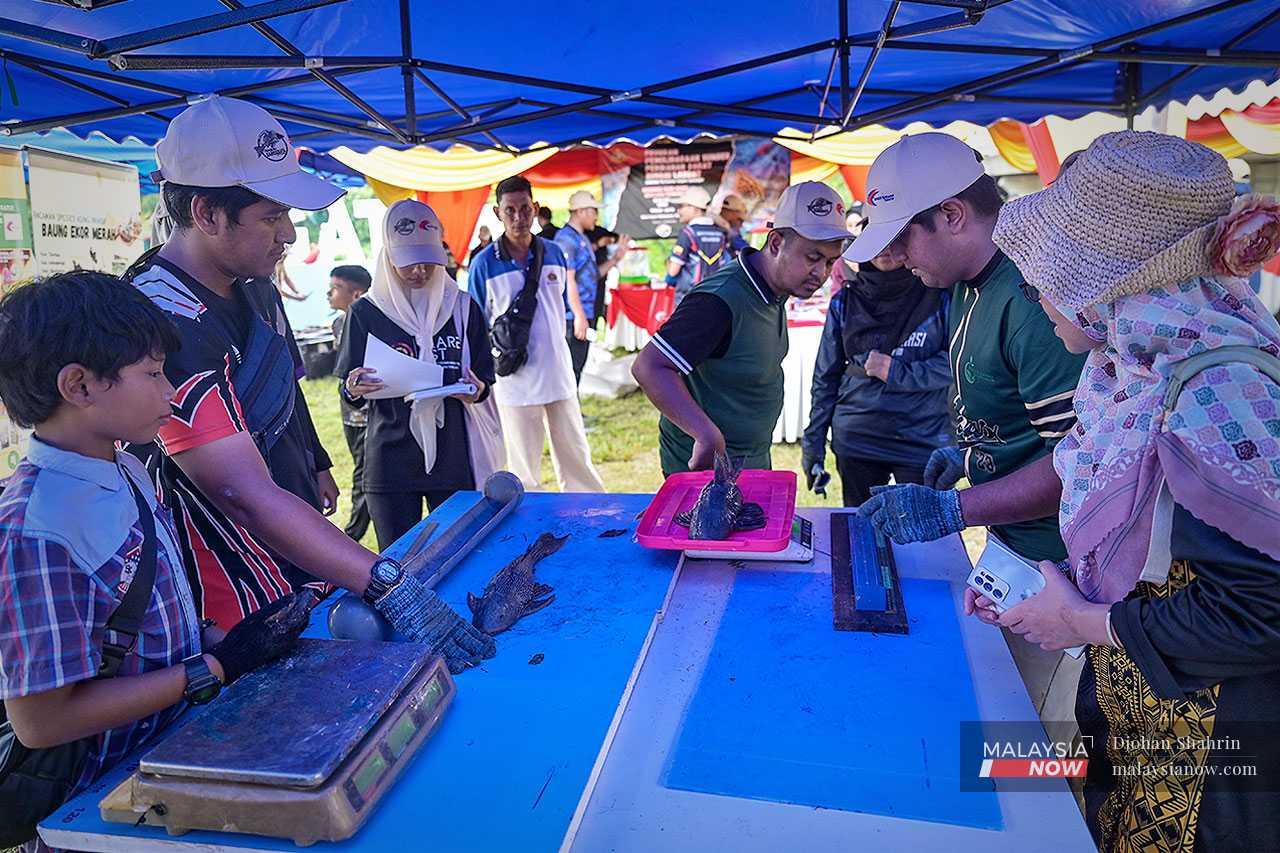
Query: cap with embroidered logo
{"points": [[413, 234], [226, 142], [909, 177], [813, 210]]}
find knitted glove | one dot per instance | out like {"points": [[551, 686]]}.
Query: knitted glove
{"points": [[263, 635], [913, 513], [944, 468], [419, 614]]}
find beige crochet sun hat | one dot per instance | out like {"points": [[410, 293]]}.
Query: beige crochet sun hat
{"points": [[1135, 211]]}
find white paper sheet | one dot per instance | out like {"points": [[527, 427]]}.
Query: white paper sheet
{"points": [[400, 374]]}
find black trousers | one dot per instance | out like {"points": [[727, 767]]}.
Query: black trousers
{"points": [[857, 476], [578, 352], [358, 524], [395, 513]]}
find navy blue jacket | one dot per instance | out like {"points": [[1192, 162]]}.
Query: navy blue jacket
{"points": [[901, 421]]}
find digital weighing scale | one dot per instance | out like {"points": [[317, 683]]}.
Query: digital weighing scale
{"points": [[301, 749], [799, 548]]}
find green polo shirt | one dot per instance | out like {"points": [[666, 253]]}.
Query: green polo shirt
{"points": [[728, 337], [1014, 387]]}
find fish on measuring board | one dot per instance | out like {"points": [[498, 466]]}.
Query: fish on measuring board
{"points": [[512, 593], [720, 509]]}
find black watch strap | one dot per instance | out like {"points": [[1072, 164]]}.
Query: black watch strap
{"points": [[377, 587], [202, 685]]}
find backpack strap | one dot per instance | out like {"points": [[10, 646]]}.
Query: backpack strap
{"points": [[127, 618], [1184, 370]]}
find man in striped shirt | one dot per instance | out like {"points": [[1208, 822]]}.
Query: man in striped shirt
{"points": [[934, 208]]}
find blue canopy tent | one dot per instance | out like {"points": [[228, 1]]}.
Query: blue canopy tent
{"points": [[363, 73]]}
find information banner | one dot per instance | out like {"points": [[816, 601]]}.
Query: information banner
{"points": [[15, 221], [85, 213], [648, 205], [756, 169]]}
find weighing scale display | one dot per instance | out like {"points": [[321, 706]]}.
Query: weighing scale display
{"points": [[346, 718]]}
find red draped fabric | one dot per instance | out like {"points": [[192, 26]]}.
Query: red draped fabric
{"points": [[855, 177], [566, 168], [1040, 141], [459, 211], [644, 306]]}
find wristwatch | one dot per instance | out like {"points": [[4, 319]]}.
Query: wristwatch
{"points": [[384, 576], [202, 685]]}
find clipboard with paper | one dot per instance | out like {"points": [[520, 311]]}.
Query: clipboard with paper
{"points": [[407, 377]]}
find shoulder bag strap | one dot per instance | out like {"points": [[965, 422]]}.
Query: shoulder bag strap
{"points": [[1184, 370], [127, 619]]}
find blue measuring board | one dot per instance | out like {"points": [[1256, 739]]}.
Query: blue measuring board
{"points": [[513, 754], [788, 710], [871, 583]]}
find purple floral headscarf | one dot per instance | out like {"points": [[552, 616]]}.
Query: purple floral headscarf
{"points": [[1217, 451]]}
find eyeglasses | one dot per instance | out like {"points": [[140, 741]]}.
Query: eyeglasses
{"points": [[1030, 291]]}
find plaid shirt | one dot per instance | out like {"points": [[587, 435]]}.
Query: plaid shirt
{"points": [[69, 545]]}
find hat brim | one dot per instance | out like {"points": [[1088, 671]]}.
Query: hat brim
{"points": [[821, 233], [407, 256], [874, 239], [300, 190]]}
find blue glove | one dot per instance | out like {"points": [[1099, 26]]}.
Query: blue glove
{"points": [[419, 614], [944, 468], [913, 513]]}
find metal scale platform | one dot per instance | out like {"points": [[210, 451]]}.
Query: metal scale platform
{"points": [[301, 749]]}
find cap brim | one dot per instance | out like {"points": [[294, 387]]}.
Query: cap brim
{"points": [[407, 256], [821, 234], [874, 239], [301, 190]]}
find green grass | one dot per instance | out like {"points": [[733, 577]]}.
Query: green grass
{"points": [[623, 435]]}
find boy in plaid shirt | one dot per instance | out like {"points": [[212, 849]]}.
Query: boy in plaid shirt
{"points": [[81, 360]]}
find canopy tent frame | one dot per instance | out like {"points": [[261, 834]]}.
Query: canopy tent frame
{"points": [[477, 120]]}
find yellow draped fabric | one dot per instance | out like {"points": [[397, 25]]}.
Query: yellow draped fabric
{"points": [[861, 147], [424, 168], [1011, 142], [557, 198], [805, 168], [388, 194]]}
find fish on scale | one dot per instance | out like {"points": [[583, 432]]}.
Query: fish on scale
{"points": [[720, 509]]}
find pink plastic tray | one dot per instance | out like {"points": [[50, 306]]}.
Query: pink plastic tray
{"points": [[773, 490]]}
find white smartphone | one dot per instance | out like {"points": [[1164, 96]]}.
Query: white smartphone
{"points": [[1007, 579]]}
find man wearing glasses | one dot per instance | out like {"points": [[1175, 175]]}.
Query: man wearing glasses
{"points": [[933, 208]]}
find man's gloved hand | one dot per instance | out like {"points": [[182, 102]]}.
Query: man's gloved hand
{"points": [[419, 614], [944, 468], [808, 463], [263, 636], [913, 513]]}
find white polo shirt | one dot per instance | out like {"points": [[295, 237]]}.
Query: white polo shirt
{"points": [[494, 280]]}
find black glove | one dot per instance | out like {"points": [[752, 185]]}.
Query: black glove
{"points": [[263, 636], [807, 464]]}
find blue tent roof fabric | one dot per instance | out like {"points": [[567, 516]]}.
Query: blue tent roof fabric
{"points": [[499, 78]]}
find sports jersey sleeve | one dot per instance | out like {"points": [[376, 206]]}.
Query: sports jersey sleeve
{"points": [[700, 328], [1047, 375], [47, 606], [684, 245], [478, 278], [205, 407]]}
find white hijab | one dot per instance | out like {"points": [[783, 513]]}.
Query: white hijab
{"points": [[423, 312]]}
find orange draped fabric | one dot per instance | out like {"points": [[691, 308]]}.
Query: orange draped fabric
{"points": [[855, 177], [459, 210]]}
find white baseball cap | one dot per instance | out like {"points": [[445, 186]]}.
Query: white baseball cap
{"points": [[813, 210], [695, 197], [412, 233], [582, 199], [226, 142], [909, 177]]}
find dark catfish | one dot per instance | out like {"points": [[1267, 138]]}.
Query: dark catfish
{"points": [[720, 509], [512, 593]]}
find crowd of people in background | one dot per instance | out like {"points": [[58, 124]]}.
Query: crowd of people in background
{"points": [[1084, 371]]}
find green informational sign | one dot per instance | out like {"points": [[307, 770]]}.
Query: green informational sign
{"points": [[15, 223]]}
